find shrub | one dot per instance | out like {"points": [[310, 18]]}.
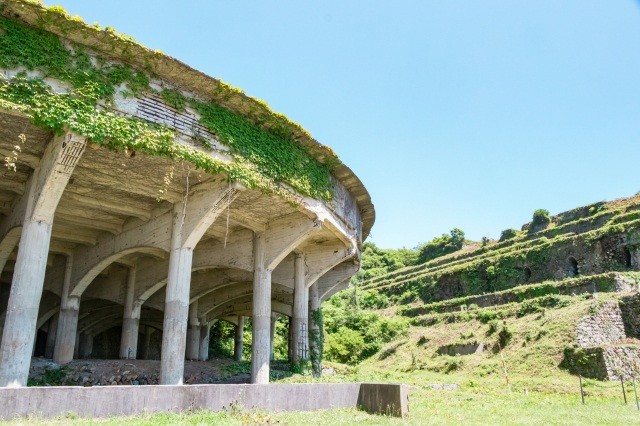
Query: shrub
{"points": [[368, 330], [493, 327], [373, 300], [453, 365], [487, 315], [505, 335], [541, 218], [344, 346], [442, 245], [508, 234], [407, 297]]}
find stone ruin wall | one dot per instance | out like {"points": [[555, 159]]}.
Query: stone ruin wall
{"points": [[606, 346], [605, 254]]}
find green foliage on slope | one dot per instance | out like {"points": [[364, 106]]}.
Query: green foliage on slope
{"points": [[439, 246]]}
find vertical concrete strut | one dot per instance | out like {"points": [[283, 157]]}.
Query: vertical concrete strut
{"points": [[51, 336], [238, 342], [176, 309], [193, 347], [191, 219], [290, 340], [86, 345], [205, 331], [67, 320], [261, 308], [130, 320], [45, 189], [315, 332], [300, 311], [274, 319], [146, 345]]}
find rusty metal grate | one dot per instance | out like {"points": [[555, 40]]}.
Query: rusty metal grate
{"points": [[72, 150], [153, 108]]}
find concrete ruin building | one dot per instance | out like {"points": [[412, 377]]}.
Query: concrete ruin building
{"points": [[138, 193]]}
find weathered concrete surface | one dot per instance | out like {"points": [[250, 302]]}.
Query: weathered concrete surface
{"points": [[123, 401], [380, 398]]}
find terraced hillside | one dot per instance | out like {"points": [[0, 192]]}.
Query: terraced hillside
{"points": [[557, 296], [589, 240]]}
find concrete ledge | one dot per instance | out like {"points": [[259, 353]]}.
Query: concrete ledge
{"points": [[379, 398], [104, 401]]}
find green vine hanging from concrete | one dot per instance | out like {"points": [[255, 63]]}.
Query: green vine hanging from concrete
{"points": [[316, 338], [262, 159]]}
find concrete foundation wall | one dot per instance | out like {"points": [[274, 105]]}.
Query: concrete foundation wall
{"points": [[130, 400]]}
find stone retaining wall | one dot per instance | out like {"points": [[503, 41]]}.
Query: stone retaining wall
{"points": [[605, 347]]}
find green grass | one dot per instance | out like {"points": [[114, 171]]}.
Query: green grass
{"points": [[541, 392], [470, 405]]}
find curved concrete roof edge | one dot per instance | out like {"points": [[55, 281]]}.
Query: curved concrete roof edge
{"points": [[182, 75]]}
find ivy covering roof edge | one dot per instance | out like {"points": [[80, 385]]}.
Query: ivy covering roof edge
{"points": [[124, 48]]}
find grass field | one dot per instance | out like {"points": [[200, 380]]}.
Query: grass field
{"points": [[475, 402]]}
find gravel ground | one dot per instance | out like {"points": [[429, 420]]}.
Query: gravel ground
{"points": [[109, 372]]}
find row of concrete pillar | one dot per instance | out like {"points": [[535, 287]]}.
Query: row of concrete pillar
{"points": [[197, 337], [190, 221], [64, 342]]}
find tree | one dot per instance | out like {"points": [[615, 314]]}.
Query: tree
{"points": [[442, 245], [376, 261]]}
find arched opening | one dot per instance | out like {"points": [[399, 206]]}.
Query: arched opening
{"points": [[627, 257], [572, 266], [221, 339], [527, 274]]}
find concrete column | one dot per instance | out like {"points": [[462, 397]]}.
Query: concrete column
{"points": [[66, 336], [290, 339], [174, 335], [205, 331], [146, 345], [76, 346], [191, 219], [274, 319], [239, 340], [193, 346], [315, 332], [261, 307], [300, 311], [24, 299], [130, 320], [51, 336], [37, 208], [67, 321], [85, 346]]}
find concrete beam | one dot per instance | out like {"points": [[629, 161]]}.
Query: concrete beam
{"points": [[283, 236]]}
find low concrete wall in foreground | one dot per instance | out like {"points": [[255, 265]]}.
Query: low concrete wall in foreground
{"points": [[105, 401]]}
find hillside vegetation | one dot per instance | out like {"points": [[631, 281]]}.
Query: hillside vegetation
{"points": [[490, 310]]}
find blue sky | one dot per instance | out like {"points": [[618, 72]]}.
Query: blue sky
{"points": [[460, 114]]}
